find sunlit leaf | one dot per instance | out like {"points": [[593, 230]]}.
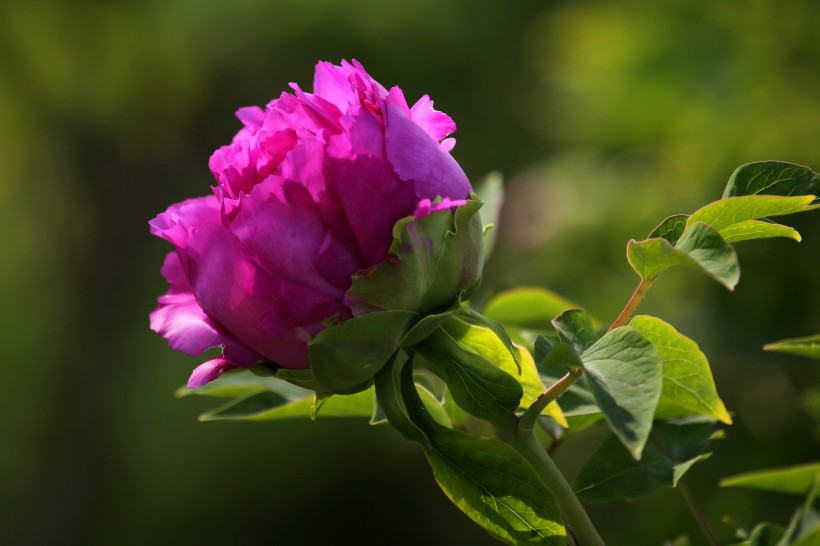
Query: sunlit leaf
{"points": [[733, 210], [773, 178], [688, 386], [490, 189], [527, 307], [624, 372], [794, 479], [803, 346], [757, 229], [477, 385], [700, 247], [496, 488]]}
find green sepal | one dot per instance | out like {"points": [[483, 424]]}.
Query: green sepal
{"points": [[624, 372], [773, 178], [611, 473], [346, 356], [391, 399], [434, 262], [477, 385]]}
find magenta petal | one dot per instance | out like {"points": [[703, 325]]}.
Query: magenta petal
{"points": [[294, 234], [208, 371], [177, 223], [418, 158], [181, 320], [437, 124]]}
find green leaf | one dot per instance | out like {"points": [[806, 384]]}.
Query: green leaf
{"points": [[670, 229], [439, 259], [624, 372], [578, 400], [688, 386], [300, 377], [527, 307], [611, 474], [757, 229], [496, 488], [560, 355], [266, 406], [349, 354], [802, 346], [700, 247], [773, 178], [795, 479], [477, 318], [239, 382], [575, 329], [804, 527], [480, 387], [728, 212]]}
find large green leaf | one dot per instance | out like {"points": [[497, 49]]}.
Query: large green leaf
{"points": [[496, 488], [267, 405], [479, 386], [349, 354], [612, 474], [527, 307], [700, 247], [624, 372], [794, 479], [773, 178], [737, 218], [802, 346], [688, 386]]}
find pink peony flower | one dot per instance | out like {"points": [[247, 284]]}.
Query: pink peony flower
{"points": [[308, 193]]}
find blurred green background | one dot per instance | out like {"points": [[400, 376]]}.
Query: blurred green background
{"points": [[604, 117]]}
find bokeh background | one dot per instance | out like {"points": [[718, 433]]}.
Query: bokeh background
{"points": [[604, 117]]}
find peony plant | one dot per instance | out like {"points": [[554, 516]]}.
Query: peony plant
{"points": [[332, 267]]}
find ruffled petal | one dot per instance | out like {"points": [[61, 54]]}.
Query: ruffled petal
{"points": [[419, 159], [437, 124], [176, 224]]}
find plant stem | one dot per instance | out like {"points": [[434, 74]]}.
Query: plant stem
{"points": [[632, 304], [525, 443], [555, 390], [697, 512]]}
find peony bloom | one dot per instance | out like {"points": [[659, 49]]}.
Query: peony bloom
{"points": [[308, 194]]}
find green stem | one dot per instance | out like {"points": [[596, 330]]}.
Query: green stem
{"points": [[632, 304], [525, 443], [555, 390]]}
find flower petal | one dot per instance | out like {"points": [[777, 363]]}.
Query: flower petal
{"points": [[418, 158], [208, 371]]}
